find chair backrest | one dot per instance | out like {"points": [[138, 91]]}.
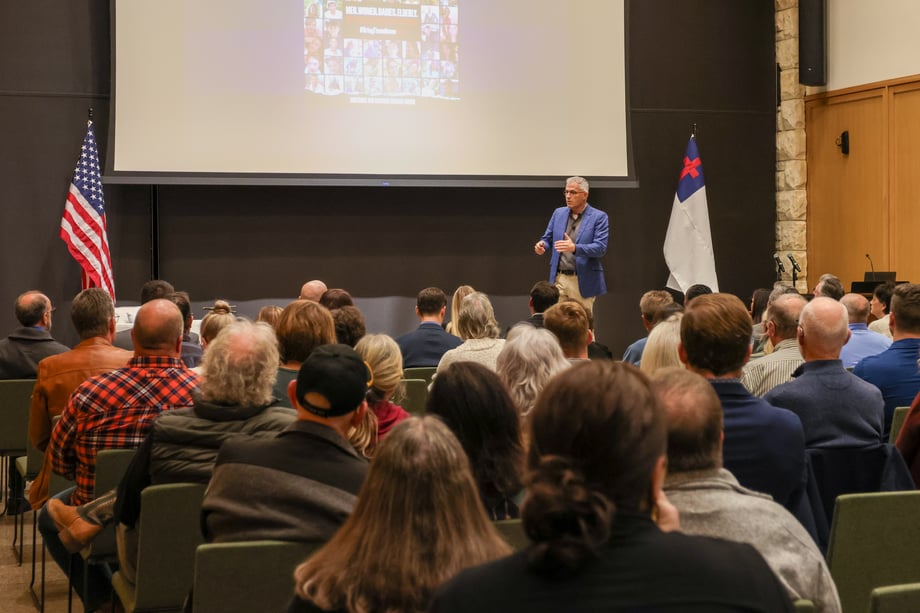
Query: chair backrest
{"points": [[878, 468], [874, 542], [247, 576], [15, 396], [895, 598], [416, 396], [111, 465], [512, 530], [897, 420], [169, 531], [420, 372], [804, 606]]}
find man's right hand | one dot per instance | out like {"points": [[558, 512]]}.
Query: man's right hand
{"points": [[539, 248]]}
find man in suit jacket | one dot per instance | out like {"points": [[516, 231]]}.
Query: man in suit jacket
{"points": [[22, 350], [427, 343], [576, 237]]}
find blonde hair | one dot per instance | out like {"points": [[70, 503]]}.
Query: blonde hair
{"points": [[219, 317], [417, 523], [661, 348], [385, 359], [476, 318], [364, 437], [459, 294], [270, 314]]}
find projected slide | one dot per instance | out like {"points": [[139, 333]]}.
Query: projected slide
{"points": [[382, 51]]}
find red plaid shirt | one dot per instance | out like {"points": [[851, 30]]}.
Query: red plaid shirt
{"points": [[115, 411]]}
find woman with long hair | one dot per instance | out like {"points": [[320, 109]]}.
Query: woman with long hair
{"points": [[382, 354], [416, 524], [597, 463], [475, 405], [459, 294], [661, 348], [477, 327]]}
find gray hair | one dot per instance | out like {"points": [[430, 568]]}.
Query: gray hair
{"points": [[581, 182], [530, 358], [240, 365], [476, 318]]}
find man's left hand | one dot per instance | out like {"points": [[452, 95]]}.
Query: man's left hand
{"points": [[567, 245]]}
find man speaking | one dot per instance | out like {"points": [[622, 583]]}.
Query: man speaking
{"points": [[577, 239]]}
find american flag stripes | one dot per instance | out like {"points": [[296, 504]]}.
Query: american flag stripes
{"points": [[83, 226]]}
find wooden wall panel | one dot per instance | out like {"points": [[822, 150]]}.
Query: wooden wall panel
{"points": [[905, 187], [847, 194]]}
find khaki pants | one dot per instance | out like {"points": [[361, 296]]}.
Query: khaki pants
{"points": [[568, 288]]}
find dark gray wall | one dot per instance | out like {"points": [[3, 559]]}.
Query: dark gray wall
{"points": [[709, 62]]}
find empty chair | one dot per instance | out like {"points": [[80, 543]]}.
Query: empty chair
{"points": [[246, 576], [169, 531], [895, 598], [416, 396], [874, 542]]}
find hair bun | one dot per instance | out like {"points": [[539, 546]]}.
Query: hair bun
{"points": [[221, 307], [566, 519]]}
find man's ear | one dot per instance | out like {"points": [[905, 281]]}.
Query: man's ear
{"points": [[682, 354]]}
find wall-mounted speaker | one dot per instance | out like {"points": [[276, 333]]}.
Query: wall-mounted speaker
{"points": [[813, 42]]}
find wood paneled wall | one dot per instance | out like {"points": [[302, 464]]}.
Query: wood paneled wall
{"points": [[867, 201]]}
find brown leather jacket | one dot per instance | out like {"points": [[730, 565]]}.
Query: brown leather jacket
{"points": [[58, 377]]}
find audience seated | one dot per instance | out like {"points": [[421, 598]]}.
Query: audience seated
{"points": [[270, 314], [383, 356], [661, 348], [764, 445], [863, 342], [312, 290], [349, 325], [836, 408], [302, 484], [151, 290], [649, 305], [475, 405], [780, 325], [303, 326], [427, 344], [596, 468], [115, 411], [416, 524], [479, 331], [219, 317], [191, 349], [829, 286], [459, 294], [568, 321], [711, 502], [542, 296], [895, 371], [880, 307], [336, 298], [531, 357], [93, 316], [21, 351]]}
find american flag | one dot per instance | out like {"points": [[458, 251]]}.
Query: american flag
{"points": [[83, 224]]}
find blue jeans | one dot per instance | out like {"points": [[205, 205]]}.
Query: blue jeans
{"points": [[98, 576]]}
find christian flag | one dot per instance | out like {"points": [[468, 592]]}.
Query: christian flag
{"points": [[688, 243], [83, 224]]}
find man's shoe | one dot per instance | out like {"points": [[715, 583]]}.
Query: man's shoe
{"points": [[74, 531]]}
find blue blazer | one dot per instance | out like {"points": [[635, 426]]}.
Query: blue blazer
{"points": [[590, 247]]}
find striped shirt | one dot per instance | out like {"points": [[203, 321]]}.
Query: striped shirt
{"points": [[115, 411], [763, 374]]}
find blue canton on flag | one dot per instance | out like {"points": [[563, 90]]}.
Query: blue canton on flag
{"points": [[83, 226]]}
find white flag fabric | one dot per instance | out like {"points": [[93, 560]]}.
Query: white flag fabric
{"points": [[688, 243]]}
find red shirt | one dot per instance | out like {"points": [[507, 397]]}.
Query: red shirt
{"points": [[115, 411]]}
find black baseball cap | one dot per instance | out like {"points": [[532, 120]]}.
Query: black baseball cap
{"points": [[333, 381]]}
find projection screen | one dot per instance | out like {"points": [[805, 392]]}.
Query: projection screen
{"points": [[370, 92]]}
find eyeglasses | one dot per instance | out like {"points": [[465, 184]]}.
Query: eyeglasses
{"points": [[571, 192]]}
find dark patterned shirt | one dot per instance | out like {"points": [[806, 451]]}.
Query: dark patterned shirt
{"points": [[115, 411]]}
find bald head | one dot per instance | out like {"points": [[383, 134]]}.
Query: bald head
{"points": [[312, 290], [694, 416], [857, 308], [158, 329], [33, 308], [823, 329], [783, 317]]}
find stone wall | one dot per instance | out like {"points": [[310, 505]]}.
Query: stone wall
{"points": [[791, 172]]}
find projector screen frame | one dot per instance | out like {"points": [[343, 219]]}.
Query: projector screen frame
{"points": [[111, 176]]}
